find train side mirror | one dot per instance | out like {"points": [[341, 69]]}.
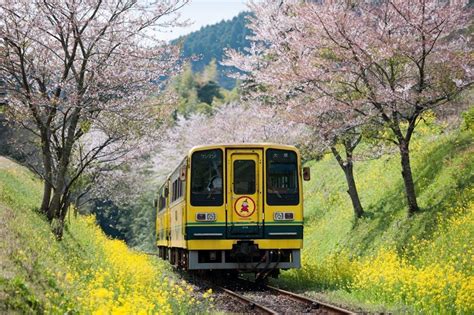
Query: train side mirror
{"points": [[167, 192], [155, 203], [306, 173]]}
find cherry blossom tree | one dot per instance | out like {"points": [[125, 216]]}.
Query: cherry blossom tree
{"points": [[336, 128], [77, 75], [143, 169], [231, 123], [387, 61]]}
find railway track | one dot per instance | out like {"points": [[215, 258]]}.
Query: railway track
{"points": [[264, 299]]}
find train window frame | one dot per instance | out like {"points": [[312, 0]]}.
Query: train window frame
{"points": [[177, 185], [212, 198], [280, 198]]}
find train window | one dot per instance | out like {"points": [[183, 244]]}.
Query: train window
{"points": [[177, 190], [162, 199], [282, 177], [173, 192], [206, 178], [162, 203], [244, 177]]}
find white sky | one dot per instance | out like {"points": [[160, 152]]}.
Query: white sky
{"points": [[205, 12]]}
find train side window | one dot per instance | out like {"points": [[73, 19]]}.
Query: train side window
{"points": [[173, 195], [206, 178], [177, 191], [162, 202], [180, 188], [162, 197], [175, 188]]}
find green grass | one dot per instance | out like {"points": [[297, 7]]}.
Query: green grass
{"points": [[25, 266], [444, 174], [443, 167]]}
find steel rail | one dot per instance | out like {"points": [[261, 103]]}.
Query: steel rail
{"points": [[321, 305], [252, 304]]}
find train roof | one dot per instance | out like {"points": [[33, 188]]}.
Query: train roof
{"points": [[243, 146]]}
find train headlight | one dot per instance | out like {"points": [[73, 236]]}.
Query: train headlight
{"points": [[283, 216], [206, 216], [211, 216]]}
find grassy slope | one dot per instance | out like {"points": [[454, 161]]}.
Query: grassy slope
{"points": [[85, 272], [19, 190], [443, 166], [444, 173]]}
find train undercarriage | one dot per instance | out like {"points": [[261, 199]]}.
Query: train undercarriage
{"points": [[244, 257]]}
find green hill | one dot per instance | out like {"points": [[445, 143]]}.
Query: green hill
{"points": [[210, 41], [85, 273], [418, 264]]}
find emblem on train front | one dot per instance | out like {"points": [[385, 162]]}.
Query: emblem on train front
{"points": [[244, 206]]}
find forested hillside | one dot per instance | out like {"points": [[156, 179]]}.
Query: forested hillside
{"points": [[210, 42]]}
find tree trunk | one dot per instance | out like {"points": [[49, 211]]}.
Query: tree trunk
{"points": [[58, 228], [61, 194], [47, 187], [348, 168], [408, 178], [352, 191], [57, 222], [55, 206], [48, 178]]}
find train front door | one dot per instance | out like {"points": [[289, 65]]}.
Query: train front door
{"points": [[244, 193]]}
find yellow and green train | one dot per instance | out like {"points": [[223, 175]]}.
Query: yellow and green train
{"points": [[233, 207]]}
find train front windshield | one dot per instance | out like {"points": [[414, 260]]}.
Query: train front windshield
{"points": [[206, 178], [282, 177]]}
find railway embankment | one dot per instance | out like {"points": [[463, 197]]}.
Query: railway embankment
{"points": [[387, 261], [84, 273]]}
